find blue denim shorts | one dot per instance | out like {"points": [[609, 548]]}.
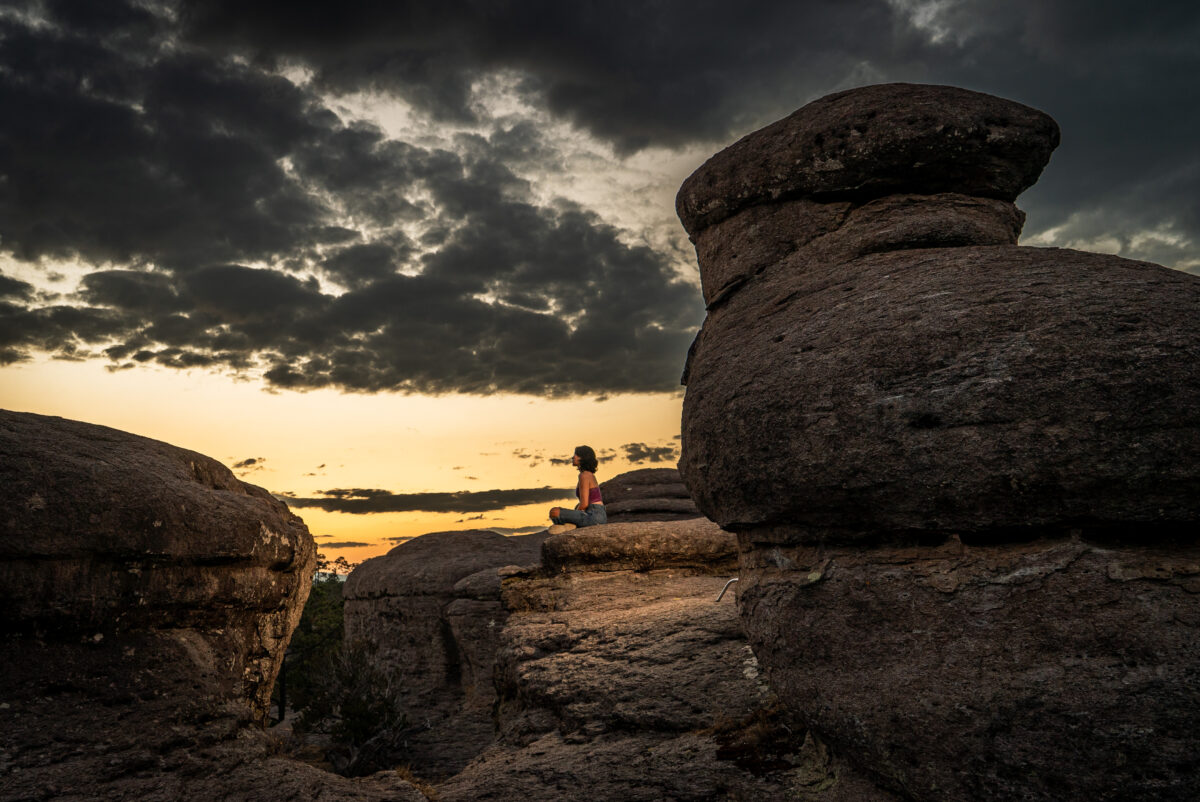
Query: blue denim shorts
{"points": [[592, 516]]}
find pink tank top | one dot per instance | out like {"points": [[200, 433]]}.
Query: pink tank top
{"points": [[594, 496]]}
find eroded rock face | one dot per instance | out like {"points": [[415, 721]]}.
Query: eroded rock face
{"points": [[649, 494], [620, 679], [431, 609], [1054, 669], [146, 599], [105, 532], [884, 374]]}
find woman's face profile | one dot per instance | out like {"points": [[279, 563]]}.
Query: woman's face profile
{"points": [[575, 460]]}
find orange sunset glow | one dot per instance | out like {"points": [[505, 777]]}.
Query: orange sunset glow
{"points": [[305, 443]]}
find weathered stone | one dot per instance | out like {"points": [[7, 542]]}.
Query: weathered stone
{"points": [[696, 543], [431, 609], [105, 532], [649, 494], [971, 390], [142, 715], [965, 475], [735, 250], [1044, 671], [644, 483], [626, 685], [146, 599], [875, 141], [652, 509]]}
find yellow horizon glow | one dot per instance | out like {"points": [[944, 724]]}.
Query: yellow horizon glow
{"points": [[398, 443]]}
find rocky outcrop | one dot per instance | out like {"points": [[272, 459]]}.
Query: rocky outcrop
{"points": [[695, 543], [649, 494], [146, 598], [430, 609], [619, 678], [965, 475]]}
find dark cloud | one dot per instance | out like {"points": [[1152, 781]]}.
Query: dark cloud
{"points": [[190, 166], [365, 501], [345, 544], [1118, 78], [633, 73], [638, 453], [15, 288], [230, 220], [249, 464]]}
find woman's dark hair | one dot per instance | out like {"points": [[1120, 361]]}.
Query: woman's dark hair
{"points": [[587, 458]]}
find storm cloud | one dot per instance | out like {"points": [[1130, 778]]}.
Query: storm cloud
{"points": [[217, 208], [638, 453], [1119, 79]]}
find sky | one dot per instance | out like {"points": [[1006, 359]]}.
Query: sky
{"points": [[393, 261]]}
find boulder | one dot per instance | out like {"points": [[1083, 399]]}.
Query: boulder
{"points": [[875, 141], [146, 599], [884, 375], [430, 608], [649, 494], [907, 368]]}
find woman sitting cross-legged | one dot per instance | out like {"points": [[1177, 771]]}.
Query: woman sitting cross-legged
{"points": [[590, 509]]}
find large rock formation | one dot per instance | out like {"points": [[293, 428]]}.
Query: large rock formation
{"points": [[649, 494], [619, 677], [965, 475], [430, 608], [146, 598], [612, 672]]}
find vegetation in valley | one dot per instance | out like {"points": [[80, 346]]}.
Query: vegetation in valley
{"points": [[336, 688]]}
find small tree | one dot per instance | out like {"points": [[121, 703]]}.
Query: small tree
{"points": [[339, 688], [317, 638]]}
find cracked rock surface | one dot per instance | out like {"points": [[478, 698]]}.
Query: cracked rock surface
{"points": [[628, 684]]}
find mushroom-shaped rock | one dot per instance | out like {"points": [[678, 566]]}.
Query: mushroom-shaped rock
{"points": [[649, 494], [985, 456], [897, 367]]}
